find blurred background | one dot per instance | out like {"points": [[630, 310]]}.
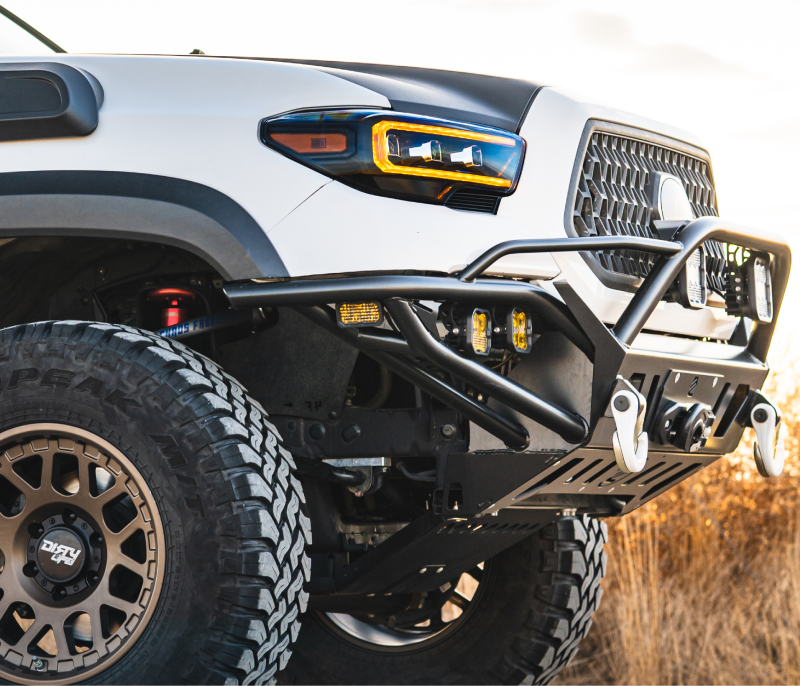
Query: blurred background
{"points": [[704, 582]]}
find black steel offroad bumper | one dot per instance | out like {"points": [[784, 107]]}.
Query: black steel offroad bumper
{"points": [[556, 420]]}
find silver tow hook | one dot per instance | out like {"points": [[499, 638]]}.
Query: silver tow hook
{"points": [[630, 441], [768, 448]]}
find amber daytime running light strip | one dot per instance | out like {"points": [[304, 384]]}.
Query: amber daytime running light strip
{"points": [[380, 151]]}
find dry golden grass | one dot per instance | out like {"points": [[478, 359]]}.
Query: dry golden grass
{"points": [[687, 602]]}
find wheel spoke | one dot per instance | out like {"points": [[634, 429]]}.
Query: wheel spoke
{"points": [[30, 632], [61, 638], [6, 600], [8, 527], [107, 496], [476, 573], [47, 472], [458, 600], [33, 496], [98, 642]]}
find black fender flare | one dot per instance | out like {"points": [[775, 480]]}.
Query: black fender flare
{"points": [[143, 207]]}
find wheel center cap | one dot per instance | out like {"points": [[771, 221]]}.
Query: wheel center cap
{"points": [[60, 555]]}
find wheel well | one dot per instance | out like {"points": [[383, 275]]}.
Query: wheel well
{"points": [[94, 279]]}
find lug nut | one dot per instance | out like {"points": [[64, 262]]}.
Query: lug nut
{"points": [[91, 578]]}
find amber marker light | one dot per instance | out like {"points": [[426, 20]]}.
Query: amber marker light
{"points": [[312, 143], [383, 148], [359, 314]]}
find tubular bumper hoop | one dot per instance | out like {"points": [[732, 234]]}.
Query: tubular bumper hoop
{"points": [[396, 292]]}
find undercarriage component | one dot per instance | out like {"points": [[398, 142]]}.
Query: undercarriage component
{"points": [[371, 470], [181, 328], [534, 599]]}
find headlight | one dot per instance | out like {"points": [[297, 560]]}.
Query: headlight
{"points": [[402, 155]]}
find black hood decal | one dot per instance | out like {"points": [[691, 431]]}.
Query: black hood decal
{"points": [[475, 98]]}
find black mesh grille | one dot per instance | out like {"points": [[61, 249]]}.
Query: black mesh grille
{"points": [[610, 199], [474, 201]]}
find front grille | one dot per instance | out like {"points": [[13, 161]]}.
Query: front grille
{"points": [[610, 199]]}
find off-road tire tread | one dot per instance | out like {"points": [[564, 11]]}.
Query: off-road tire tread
{"points": [[566, 592], [257, 501]]}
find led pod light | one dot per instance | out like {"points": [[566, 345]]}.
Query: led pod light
{"points": [[519, 330], [399, 155], [749, 289], [692, 283]]}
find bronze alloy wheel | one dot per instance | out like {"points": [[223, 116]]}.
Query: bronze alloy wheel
{"points": [[81, 554]]}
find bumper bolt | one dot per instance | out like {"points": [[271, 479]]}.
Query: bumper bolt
{"points": [[448, 431]]}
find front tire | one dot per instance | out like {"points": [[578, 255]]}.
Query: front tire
{"points": [[532, 607], [167, 488]]}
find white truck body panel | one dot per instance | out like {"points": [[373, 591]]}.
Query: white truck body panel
{"points": [[197, 119]]}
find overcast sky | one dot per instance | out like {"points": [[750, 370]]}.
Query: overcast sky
{"points": [[727, 71]]}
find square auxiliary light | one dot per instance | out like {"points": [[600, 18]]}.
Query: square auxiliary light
{"points": [[479, 332], [759, 289], [518, 329], [359, 314], [749, 289], [692, 281]]}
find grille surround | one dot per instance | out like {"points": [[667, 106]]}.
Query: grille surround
{"points": [[608, 197]]}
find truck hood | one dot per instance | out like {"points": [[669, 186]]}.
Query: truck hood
{"points": [[475, 98]]}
